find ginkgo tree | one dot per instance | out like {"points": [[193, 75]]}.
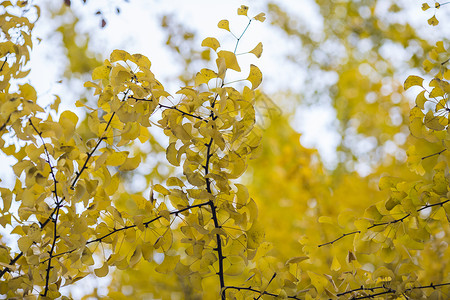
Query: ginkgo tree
{"points": [[198, 232]]}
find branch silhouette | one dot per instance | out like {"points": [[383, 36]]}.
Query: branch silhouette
{"points": [[387, 290], [384, 223]]}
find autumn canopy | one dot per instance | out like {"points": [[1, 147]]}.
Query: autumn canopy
{"points": [[205, 191]]}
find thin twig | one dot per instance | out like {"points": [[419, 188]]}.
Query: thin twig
{"points": [[3, 64], [386, 223], [168, 107], [270, 281], [254, 291], [342, 236], [431, 155]]}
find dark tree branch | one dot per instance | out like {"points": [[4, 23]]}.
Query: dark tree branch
{"points": [[389, 222], [435, 204], [169, 107], [362, 288], [387, 290], [219, 251], [342, 236], [371, 296], [5, 124], [430, 286], [386, 223], [58, 206], [434, 154], [3, 64], [254, 291], [49, 265]]}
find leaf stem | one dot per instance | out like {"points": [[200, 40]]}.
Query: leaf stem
{"points": [[242, 34]]}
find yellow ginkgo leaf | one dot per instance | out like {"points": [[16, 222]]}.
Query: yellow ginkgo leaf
{"points": [[242, 11], [180, 132], [241, 194], [260, 17], [335, 265], [168, 264], [296, 259], [117, 55], [24, 243], [224, 24], [211, 42], [195, 178], [102, 271], [433, 122], [255, 76], [230, 60], [257, 51], [413, 80], [160, 189], [116, 158], [237, 265], [171, 154], [255, 235], [130, 163], [101, 72], [440, 47], [319, 282], [174, 181], [141, 60], [427, 65], [136, 256], [421, 99], [433, 21], [204, 76], [86, 257]]}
